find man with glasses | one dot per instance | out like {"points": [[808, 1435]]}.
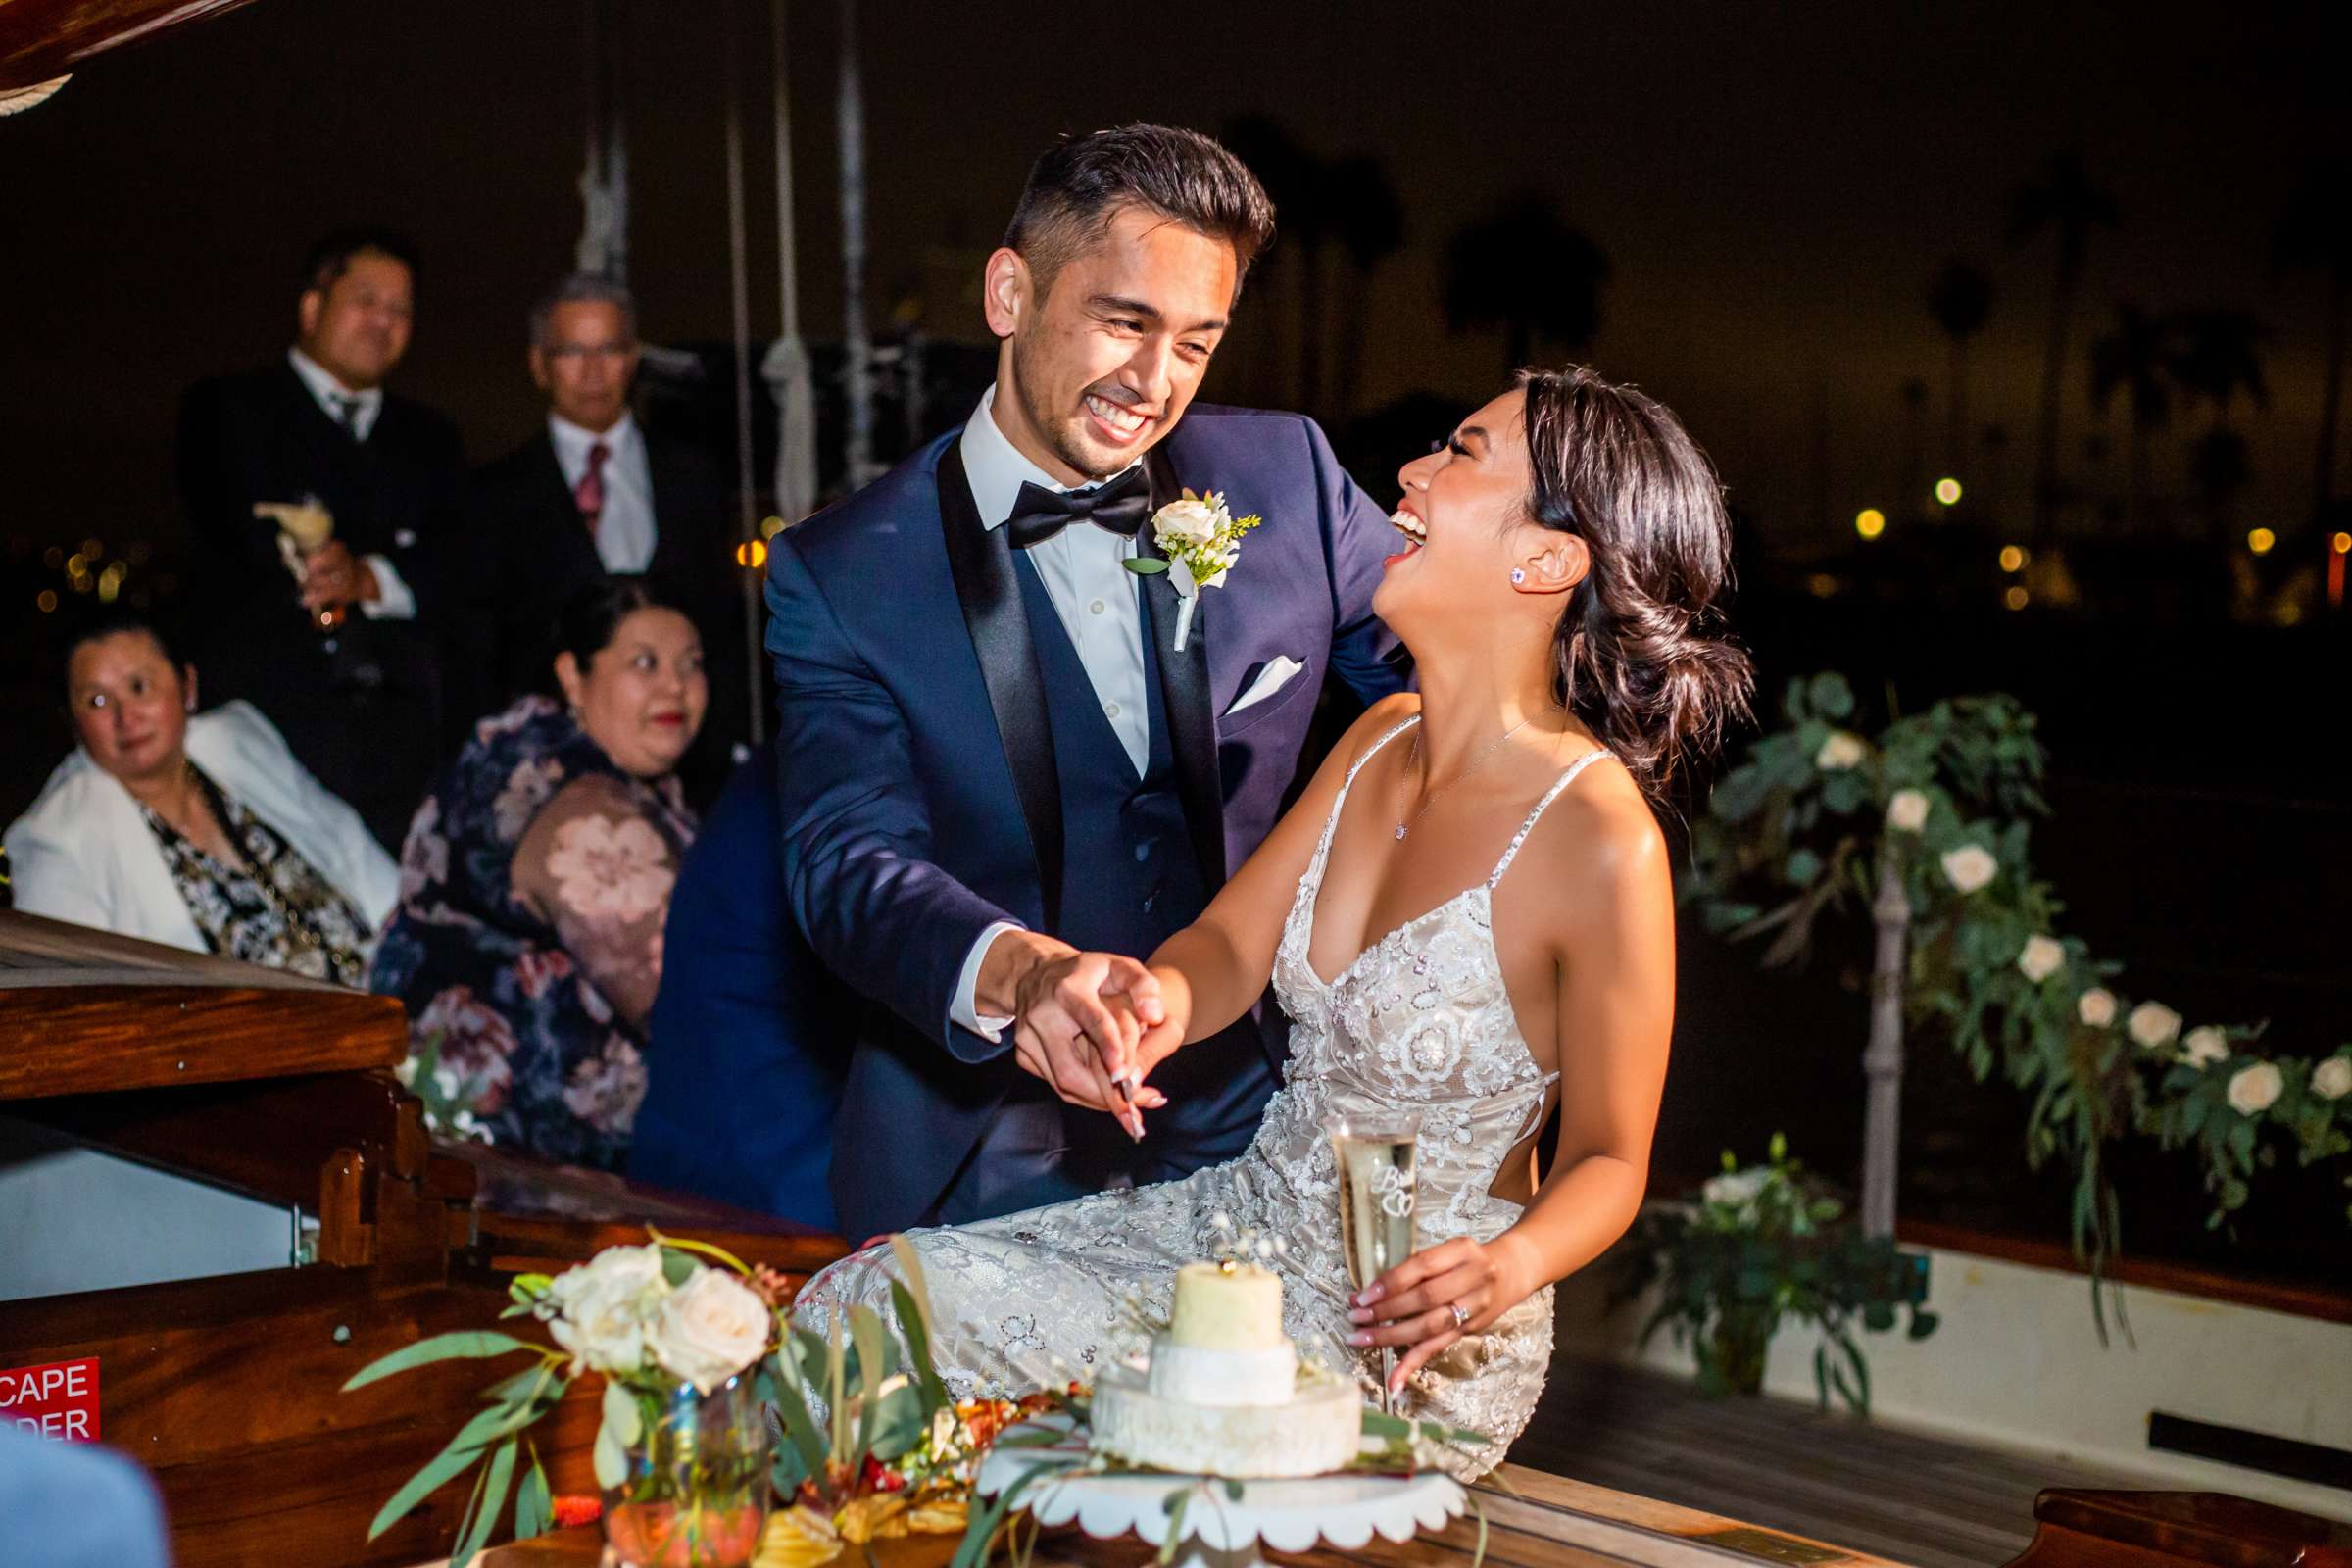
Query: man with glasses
{"points": [[321, 508], [597, 495]]}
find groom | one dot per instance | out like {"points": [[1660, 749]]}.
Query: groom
{"points": [[993, 755]]}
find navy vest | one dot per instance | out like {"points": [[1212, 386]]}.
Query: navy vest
{"points": [[1129, 880]]}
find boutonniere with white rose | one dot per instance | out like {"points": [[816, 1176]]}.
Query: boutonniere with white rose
{"points": [[1201, 541]]}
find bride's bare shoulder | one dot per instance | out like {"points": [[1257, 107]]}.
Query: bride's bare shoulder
{"points": [[1599, 851]]}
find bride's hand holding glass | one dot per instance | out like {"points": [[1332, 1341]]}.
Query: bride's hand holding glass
{"points": [[1441, 1296]]}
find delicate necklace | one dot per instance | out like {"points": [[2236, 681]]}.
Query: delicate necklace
{"points": [[1405, 826]]}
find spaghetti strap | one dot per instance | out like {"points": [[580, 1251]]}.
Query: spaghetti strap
{"points": [[1323, 845], [1532, 817]]}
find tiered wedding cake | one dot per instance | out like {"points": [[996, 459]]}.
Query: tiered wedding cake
{"points": [[1223, 1394]]}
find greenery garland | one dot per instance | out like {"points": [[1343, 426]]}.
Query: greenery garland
{"points": [[1815, 811]]}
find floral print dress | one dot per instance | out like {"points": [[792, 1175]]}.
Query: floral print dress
{"points": [[274, 909], [527, 944]]}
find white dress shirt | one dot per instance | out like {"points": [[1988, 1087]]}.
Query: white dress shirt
{"points": [[625, 528], [1096, 600], [397, 603]]}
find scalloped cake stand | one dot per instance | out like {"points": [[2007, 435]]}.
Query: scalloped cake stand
{"points": [[1218, 1531]]}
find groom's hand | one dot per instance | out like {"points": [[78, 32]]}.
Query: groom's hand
{"points": [[1077, 1016]]}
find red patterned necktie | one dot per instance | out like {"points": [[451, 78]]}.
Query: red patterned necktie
{"points": [[589, 493]]}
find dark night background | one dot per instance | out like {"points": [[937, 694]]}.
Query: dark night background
{"points": [[1775, 190]]}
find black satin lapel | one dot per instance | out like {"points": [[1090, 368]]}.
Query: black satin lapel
{"points": [[981, 560], [1185, 694]]}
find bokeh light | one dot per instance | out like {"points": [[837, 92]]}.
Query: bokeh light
{"points": [[2016, 598], [1869, 522], [751, 554], [769, 527], [2260, 541], [2013, 559], [1947, 491], [2341, 544], [46, 599]]}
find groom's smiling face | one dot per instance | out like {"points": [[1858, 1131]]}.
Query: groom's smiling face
{"points": [[1105, 351]]}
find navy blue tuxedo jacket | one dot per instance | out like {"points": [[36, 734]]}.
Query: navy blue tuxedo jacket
{"points": [[920, 802]]}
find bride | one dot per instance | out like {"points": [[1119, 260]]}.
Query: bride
{"points": [[1468, 914]]}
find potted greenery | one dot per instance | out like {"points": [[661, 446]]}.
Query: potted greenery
{"points": [[1753, 1248]]}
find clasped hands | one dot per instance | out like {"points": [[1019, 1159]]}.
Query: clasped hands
{"points": [[1091, 1025]]}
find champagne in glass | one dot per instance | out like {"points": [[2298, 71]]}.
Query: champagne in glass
{"points": [[1375, 1153]]}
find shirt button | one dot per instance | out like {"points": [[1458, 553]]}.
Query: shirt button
{"points": [[1110, 709], [1096, 606]]}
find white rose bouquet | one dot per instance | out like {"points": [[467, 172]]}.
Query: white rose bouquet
{"points": [[667, 1326], [694, 1348], [1201, 541]]}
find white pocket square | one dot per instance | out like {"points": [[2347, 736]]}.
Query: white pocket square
{"points": [[1278, 672]]}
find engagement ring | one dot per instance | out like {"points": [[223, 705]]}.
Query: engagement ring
{"points": [[1461, 1315]]}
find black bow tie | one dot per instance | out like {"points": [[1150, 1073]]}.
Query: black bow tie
{"points": [[1120, 505]]}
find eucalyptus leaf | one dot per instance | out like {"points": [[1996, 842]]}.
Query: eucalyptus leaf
{"points": [[867, 1332], [534, 1503], [487, 1506], [437, 1470], [610, 1460], [463, 1344], [1147, 566]]}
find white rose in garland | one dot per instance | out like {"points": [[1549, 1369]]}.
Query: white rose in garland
{"points": [[2204, 1047], [2042, 957], [1907, 811], [1969, 867], [2333, 1079], [2096, 1007], [1840, 752], [2152, 1026], [711, 1329], [2254, 1090], [1734, 1189]]}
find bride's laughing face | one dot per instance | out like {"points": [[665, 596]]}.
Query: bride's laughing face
{"points": [[1463, 512], [1106, 362]]}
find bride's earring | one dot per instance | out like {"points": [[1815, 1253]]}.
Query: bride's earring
{"points": [[1517, 575]]}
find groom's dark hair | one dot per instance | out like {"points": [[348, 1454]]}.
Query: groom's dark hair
{"points": [[1082, 181]]}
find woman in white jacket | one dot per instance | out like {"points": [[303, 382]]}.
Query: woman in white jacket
{"points": [[197, 830]]}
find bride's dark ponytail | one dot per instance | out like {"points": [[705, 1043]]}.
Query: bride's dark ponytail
{"points": [[1640, 653]]}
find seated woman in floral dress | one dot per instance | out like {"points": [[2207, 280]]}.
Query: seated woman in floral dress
{"points": [[536, 878]]}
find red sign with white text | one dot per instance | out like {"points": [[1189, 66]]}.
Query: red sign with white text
{"points": [[57, 1400]]}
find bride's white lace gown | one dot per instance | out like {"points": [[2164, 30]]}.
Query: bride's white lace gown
{"points": [[1419, 1020]]}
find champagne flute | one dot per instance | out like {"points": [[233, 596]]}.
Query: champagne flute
{"points": [[1375, 1151]]}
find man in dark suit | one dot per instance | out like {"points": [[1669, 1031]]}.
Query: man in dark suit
{"points": [[595, 494], [743, 1060], [335, 641], [988, 729]]}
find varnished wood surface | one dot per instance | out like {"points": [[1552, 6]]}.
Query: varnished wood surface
{"points": [[2083, 1528], [1533, 1520], [85, 1011], [1905, 1495], [36, 951], [99, 1039], [44, 38]]}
